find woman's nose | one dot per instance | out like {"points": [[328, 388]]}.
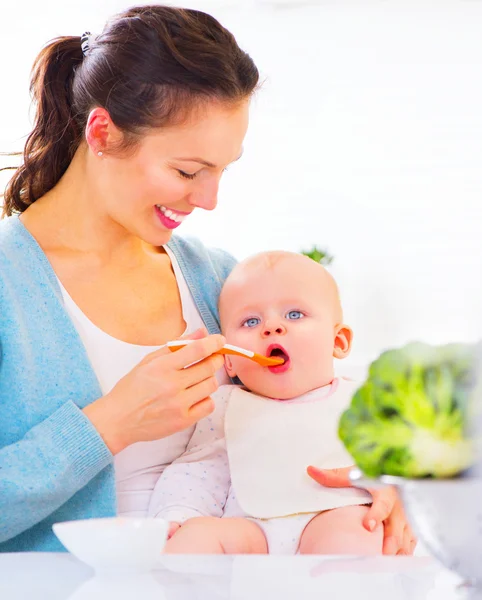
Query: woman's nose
{"points": [[206, 196]]}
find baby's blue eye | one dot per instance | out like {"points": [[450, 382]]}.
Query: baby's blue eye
{"points": [[252, 322], [295, 314]]}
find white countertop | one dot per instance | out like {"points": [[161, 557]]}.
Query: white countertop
{"points": [[38, 576]]}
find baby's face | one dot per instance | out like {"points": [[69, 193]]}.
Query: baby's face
{"points": [[289, 309]]}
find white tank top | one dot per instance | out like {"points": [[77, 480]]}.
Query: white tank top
{"points": [[140, 465]]}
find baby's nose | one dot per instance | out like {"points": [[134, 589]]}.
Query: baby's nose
{"points": [[273, 329]]}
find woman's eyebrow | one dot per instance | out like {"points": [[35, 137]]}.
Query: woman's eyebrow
{"points": [[206, 163], [201, 161]]}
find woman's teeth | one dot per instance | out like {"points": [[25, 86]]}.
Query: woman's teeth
{"points": [[170, 214]]}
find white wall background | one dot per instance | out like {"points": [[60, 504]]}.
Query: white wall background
{"points": [[366, 139]]}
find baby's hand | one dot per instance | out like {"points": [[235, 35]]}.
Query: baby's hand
{"points": [[173, 527]]}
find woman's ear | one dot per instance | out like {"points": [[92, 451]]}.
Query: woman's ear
{"points": [[228, 363], [343, 340], [100, 131]]}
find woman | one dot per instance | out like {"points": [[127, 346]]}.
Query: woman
{"points": [[133, 131]]}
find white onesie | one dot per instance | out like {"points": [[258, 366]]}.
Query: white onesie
{"points": [[250, 457]]}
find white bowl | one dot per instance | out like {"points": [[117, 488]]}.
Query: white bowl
{"points": [[115, 543]]}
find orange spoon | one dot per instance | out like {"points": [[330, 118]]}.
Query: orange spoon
{"points": [[264, 361]]}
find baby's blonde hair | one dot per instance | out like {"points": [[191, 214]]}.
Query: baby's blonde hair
{"points": [[269, 260]]}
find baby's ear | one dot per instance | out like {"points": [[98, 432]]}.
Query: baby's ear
{"points": [[343, 340], [228, 363]]}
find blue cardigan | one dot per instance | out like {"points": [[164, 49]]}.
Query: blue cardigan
{"points": [[54, 466]]}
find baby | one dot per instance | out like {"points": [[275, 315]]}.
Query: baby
{"points": [[242, 485]]}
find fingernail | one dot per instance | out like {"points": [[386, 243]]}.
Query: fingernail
{"points": [[314, 469], [372, 524]]}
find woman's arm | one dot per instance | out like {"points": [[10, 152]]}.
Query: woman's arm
{"points": [[52, 462], [60, 455]]}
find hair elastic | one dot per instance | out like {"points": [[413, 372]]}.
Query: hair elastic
{"points": [[86, 40]]}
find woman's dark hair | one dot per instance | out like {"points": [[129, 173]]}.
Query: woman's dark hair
{"points": [[149, 68]]}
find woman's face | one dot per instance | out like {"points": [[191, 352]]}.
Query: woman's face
{"points": [[172, 172]]}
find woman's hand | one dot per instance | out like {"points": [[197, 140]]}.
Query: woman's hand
{"points": [[386, 508], [160, 396]]}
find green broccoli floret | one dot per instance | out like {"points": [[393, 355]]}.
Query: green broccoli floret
{"points": [[411, 416]]}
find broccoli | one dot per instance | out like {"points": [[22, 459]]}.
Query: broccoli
{"points": [[412, 415]]}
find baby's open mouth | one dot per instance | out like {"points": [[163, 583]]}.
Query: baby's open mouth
{"points": [[277, 351]]}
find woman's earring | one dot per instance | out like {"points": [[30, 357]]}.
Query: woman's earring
{"points": [[100, 153]]}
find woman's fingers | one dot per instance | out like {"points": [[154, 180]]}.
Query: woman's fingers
{"points": [[336, 478], [201, 347], [383, 503], [409, 541], [200, 394], [201, 370], [197, 351], [394, 530], [201, 409], [160, 396]]}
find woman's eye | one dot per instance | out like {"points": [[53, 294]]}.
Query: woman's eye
{"points": [[295, 314], [252, 322], [186, 175]]}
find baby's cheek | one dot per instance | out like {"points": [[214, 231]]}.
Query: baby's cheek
{"points": [[251, 374], [236, 364], [245, 367]]}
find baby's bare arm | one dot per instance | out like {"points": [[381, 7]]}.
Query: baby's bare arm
{"points": [[211, 535]]}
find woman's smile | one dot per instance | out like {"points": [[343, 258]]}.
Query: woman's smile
{"points": [[168, 217]]}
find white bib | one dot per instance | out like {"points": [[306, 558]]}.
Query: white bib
{"points": [[270, 443]]}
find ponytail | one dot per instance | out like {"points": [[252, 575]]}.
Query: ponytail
{"points": [[56, 135]]}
